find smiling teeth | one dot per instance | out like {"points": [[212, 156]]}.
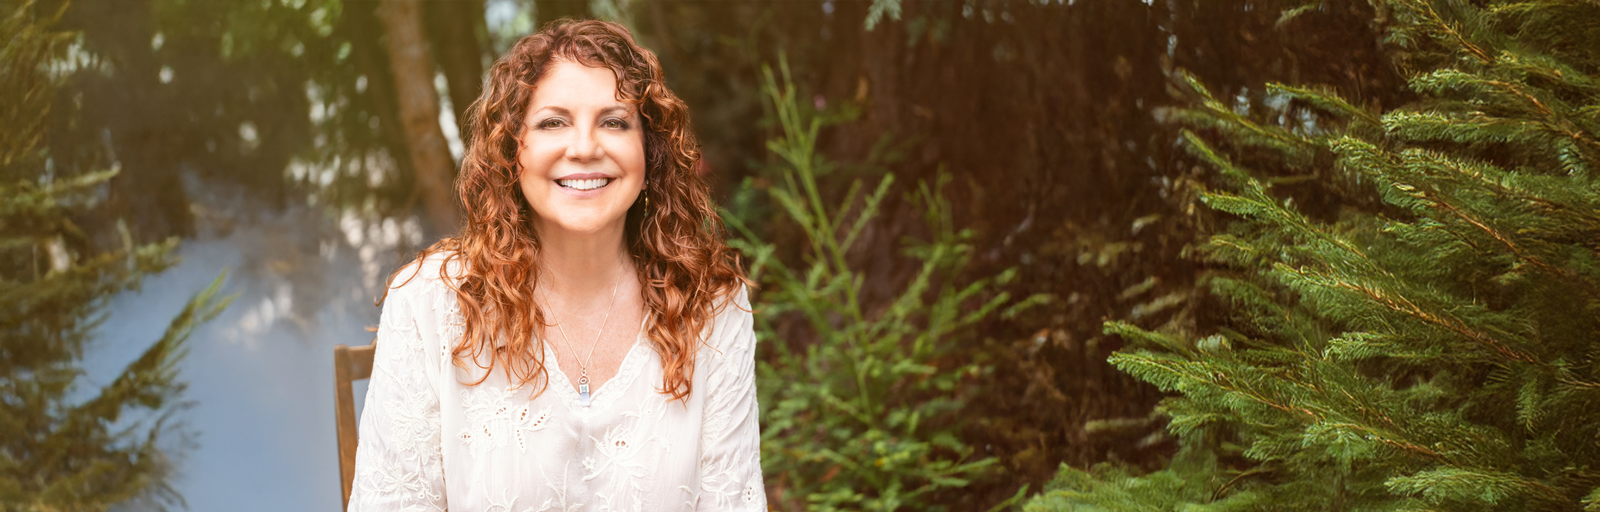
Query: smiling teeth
{"points": [[584, 184]]}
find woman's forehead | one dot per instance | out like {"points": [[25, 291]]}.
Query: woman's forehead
{"points": [[574, 86]]}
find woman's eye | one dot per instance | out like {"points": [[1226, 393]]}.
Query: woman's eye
{"points": [[550, 123], [615, 123]]}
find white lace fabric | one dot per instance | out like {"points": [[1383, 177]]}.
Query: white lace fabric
{"points": [[431, 441]]}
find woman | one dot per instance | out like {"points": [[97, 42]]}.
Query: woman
{"points": [[585, 342]]}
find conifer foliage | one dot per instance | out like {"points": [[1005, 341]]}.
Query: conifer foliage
{"points": [[1437, 348], [864, 414], [58, 452]]}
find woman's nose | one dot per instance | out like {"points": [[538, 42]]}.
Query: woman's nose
{"points": [[584, 146]]}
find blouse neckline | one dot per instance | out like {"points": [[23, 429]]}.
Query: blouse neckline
{"points": [[601, 398]]}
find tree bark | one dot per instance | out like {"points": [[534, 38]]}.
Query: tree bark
{"points": [[412, 65], [455, 29]]}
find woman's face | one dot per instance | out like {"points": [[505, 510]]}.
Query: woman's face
{"points": [[581, 152]]}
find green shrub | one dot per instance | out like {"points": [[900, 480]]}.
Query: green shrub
{"points": [[864, 414]]}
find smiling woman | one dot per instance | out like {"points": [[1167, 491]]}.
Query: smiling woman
{"points": [[579, 174]]}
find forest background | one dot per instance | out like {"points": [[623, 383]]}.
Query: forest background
{"points": [[944, 202]]}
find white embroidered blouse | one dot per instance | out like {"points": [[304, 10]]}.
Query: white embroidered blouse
{"points": [[429, 441]]}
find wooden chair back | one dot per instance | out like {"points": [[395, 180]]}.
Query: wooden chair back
{"points": [[349, 364]]}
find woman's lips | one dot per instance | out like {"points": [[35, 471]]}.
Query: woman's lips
{"points": [[583, 186]]}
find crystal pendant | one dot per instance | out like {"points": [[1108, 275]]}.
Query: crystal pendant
{"points": [[583, 390]]}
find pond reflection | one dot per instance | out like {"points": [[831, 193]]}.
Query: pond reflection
{"points": [[259, 375]]}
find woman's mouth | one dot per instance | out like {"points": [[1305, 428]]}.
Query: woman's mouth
{"points": [[589, 184]]}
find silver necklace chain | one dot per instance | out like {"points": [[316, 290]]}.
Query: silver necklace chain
{"points": [[583, 366]]}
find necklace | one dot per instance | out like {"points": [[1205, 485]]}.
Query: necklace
{"points": [[583, 366]]}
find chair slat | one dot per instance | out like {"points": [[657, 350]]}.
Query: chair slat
{"points": [[361, 361], [349, 365]]}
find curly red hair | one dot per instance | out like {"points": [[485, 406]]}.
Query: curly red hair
{"points": [[685, 267]]}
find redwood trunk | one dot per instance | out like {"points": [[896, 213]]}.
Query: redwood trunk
{"points": [[419, 110]]}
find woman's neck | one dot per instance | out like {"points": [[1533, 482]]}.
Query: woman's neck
{"points": [[579, 268]]}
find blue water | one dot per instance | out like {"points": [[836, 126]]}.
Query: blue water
{"points": [[260, 375]]}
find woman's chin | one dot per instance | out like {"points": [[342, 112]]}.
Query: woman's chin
{"points": [[579, 227]]}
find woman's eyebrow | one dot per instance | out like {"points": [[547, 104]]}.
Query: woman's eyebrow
{"points": [[555, 109], [563, 110]]}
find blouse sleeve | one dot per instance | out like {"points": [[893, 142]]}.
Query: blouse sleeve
{"points": [[398, 460], [730, 446]]}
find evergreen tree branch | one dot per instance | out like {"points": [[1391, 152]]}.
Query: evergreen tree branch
{"points": [[1510, 245], [1410, 309], [1171, 374], [1424, 9], [1452, 483]]}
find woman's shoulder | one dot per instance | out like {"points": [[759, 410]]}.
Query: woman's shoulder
{"points": [[736, 297], [732, 317], [438, 270]]}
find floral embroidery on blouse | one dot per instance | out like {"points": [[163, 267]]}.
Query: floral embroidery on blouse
{"points": [[492, 417]]}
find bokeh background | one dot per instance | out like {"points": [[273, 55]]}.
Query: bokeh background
{"points": [[270, 138]]}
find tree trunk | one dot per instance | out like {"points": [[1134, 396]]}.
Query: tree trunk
{"points": [[456, 29], [419, 110]]}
